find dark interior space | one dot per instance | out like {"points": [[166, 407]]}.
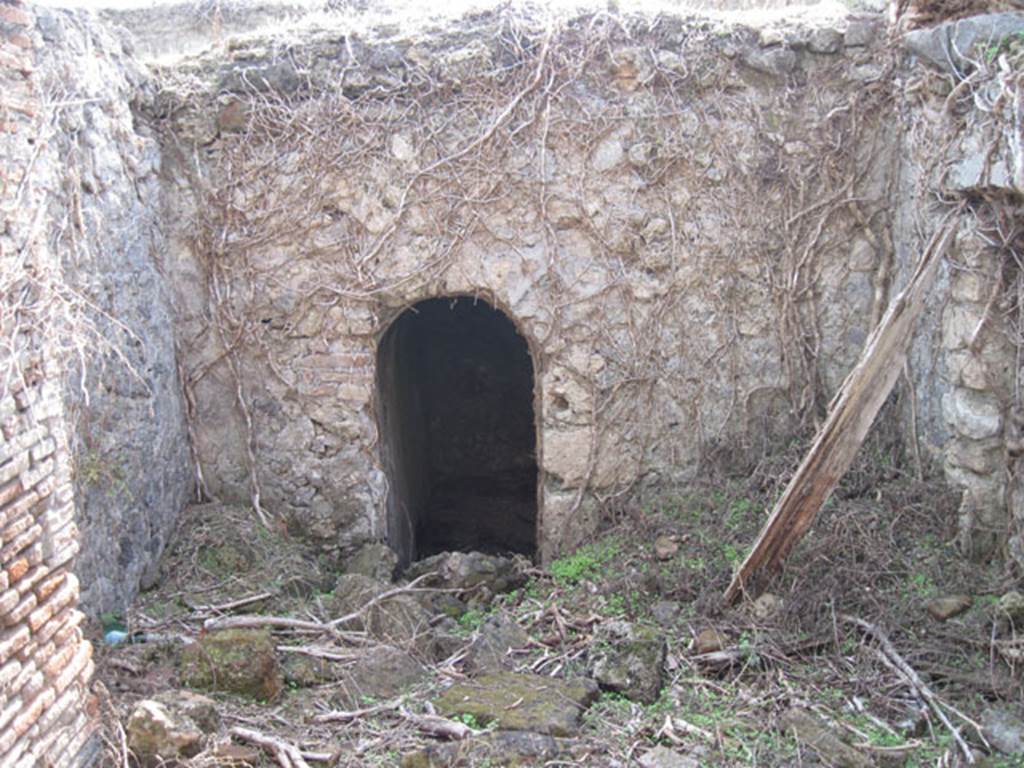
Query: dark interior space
{"points": [[455, 384]]}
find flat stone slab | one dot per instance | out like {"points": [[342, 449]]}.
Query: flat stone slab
{"points": [[518, 702], [512, 748]]}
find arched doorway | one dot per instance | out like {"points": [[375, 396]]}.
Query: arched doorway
{"points": [[455, 387]]}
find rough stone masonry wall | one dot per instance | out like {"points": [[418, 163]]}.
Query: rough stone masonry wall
{"points": [[960, 144], [124, 405], [687, 221], [45, 664]]}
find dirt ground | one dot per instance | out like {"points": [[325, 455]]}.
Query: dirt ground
{"points": [[879, 556]]}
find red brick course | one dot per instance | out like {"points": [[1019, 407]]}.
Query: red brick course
{"points": [[45, 663]]}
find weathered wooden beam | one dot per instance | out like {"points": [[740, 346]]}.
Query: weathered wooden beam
{"points": [[851, 414]]}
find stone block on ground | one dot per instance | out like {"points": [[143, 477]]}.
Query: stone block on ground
{"points": [[521, 702], [377, 561], [629, 659], [352, 591], [382, 672], [507, 748], [170, 727], [238, 661], [1010, 610], [1004, 729], [948, 607], [399, 620], [814, 734], [709, 640], [496, 637], [473, 572], [663, 757]]}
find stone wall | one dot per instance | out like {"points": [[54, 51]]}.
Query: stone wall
{"points": [[46, 711], [125, 411], [687, 220], [959, 148]]}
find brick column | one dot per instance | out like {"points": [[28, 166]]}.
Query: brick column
{"points": [[47, 715]]}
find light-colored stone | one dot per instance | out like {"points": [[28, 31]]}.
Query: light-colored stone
{"points": [[1004, 729], [972, 414], [608, 154], [155, 734], [666, 547], [777, 61], [945, 608], [822, 740], [956, 43], [825, 40], [709, 640], [663, 757], [766, 606]]}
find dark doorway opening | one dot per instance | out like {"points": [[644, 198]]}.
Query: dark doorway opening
{"points": [[455, 386]]}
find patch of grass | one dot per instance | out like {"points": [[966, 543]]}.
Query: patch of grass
{"points": [[472, 619], [1010, 44], [921, 585], [470, 721], [96, 470], [613, 605], [586, 563]]}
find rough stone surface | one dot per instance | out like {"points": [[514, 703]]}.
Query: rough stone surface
{"points": [[470, 572], [708, 641], [517, 702], [952, 44], [511, 748], [1004, 729], [809, 731], [375, 560], [157, 733], [240, 661], [496, 637], [130, 483], [382, 673], [663, 757], [951, 606], [617, 247], [629, 659], [637, 214], [200, 709]]}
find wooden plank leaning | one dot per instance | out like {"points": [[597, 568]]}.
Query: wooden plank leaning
{"points": [[850, 416]]}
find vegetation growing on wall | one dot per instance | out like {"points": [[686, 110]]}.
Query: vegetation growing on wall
{"points": [[618, 156]]}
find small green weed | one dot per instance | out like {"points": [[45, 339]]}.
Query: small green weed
{"points": [[472, 619], [470, 721], [587, 562]]}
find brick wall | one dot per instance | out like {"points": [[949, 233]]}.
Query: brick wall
{"points": [[47, 715]]}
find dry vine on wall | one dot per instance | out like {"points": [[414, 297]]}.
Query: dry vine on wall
{"points": [[689, 268]]}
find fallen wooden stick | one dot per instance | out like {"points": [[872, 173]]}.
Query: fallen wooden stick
{"points": [[851, 414], [347, 716], [224, 607], [328, 654], [250, 621], [439, 726], [888, 652], [287, 755]]}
